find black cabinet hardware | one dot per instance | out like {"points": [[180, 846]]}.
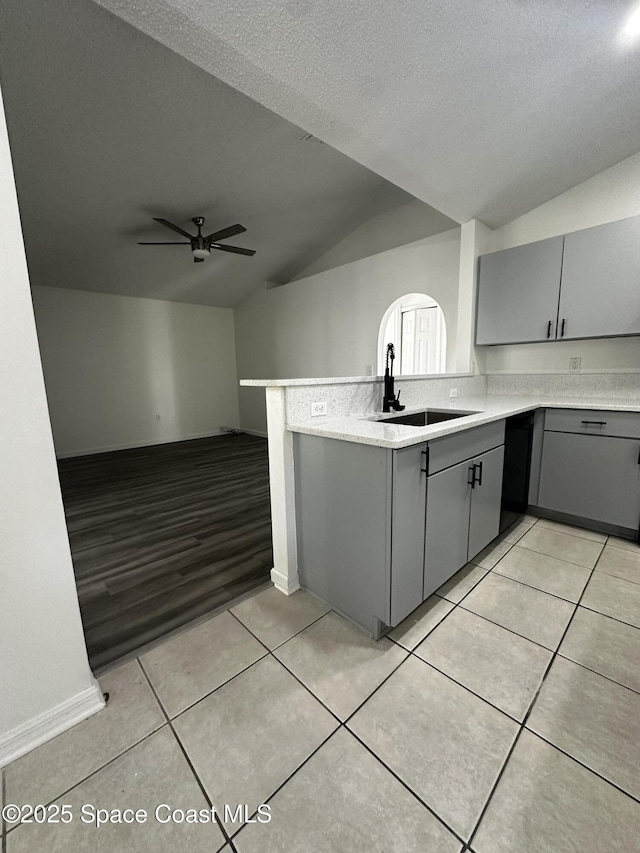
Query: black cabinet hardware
{"points": [[597, 423], [425, 453], [479, 481], [564, 322], [472, 473], [549, 329]]}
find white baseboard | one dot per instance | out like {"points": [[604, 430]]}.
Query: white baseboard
{"points": [[284, 583], [254, 432], [66, 454], [46, 726]]}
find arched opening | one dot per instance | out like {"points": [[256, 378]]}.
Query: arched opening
{"points": [[415, 325]]}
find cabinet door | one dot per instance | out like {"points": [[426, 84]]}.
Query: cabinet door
{"points": [[600, 292], [409, 486], [518, 293], [484, 521], [593, 477], [447, 527]]}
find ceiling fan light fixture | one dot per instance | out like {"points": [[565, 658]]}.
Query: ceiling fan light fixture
{"points": [[201, 253]]}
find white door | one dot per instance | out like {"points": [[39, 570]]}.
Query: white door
{"points": [[422, 341]]}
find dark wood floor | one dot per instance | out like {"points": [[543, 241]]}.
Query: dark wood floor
{"points": [[163, 535]]}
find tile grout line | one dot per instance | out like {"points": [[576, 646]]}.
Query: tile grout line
{"points": [[405, 785], [94, 772], [343, 724], [469, 591], [180, 631], [601, 674], [586, 766], [291, 775], [531, 706], [468, 689], [292, 674], [537, 588], [227, 839], [348, 719], [284, 642], [510, 630], [608, 616]]}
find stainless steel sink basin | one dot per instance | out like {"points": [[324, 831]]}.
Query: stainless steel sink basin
{"points": [[431, 416]]}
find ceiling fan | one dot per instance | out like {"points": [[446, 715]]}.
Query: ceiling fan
{"points": [[201, 245]]}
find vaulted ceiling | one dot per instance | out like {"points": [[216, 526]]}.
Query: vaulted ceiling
{"points": [[109, 128], [300, 119], [481, 108]]}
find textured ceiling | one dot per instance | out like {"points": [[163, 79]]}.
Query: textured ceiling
{"points": [[480, 108], [109, 128]]}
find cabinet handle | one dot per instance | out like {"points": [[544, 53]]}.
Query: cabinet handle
{"points": [[480, 475], [425, 453], [549, 329], [472, 473], [597, 423], [564, 322]]}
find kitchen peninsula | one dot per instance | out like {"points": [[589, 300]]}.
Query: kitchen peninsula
{"points": [[374, 516]]}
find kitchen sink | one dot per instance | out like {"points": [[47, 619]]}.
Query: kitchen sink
{"points": [[431, 416]]}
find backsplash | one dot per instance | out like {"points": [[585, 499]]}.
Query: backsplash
{"points": [[618, 385], [361, 398]]}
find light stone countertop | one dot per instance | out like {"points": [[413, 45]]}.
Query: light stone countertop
{"points": [[363, 430], [346, 380]]}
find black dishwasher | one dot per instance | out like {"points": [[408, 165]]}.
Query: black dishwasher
{"points": [[517, 466]]}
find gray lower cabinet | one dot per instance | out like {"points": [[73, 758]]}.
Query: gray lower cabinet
{"points": [[518, 293], [600, 292], [463, 513], [484, 518], [360, 514], [594, 478]]}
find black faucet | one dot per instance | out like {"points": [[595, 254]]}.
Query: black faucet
{"points": [[390, 400]]}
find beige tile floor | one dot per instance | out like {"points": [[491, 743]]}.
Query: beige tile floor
{"points": [[503, 716]]}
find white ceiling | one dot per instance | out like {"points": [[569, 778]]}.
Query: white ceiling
{"points": [[109, 128], [481, 108]]}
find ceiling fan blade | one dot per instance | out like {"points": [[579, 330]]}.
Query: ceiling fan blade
{"points": [[164, 244], [235, 249], [231, 231], [173, 227]]}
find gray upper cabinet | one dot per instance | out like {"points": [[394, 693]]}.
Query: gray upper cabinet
{"points": [[600, 292], [518, 293]]}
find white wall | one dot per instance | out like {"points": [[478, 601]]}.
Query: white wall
{"points": [[43, 660], [327, 324], [111, 363], [404, 224], [611, 195]]}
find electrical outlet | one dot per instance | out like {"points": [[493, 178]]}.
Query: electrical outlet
{"points": [[157, 416], [369, 370], [574, 365], [318, 409], [453, 393]]}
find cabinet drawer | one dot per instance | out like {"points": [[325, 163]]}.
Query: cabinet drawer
{"points": [[593, 422], [451, 449]]}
